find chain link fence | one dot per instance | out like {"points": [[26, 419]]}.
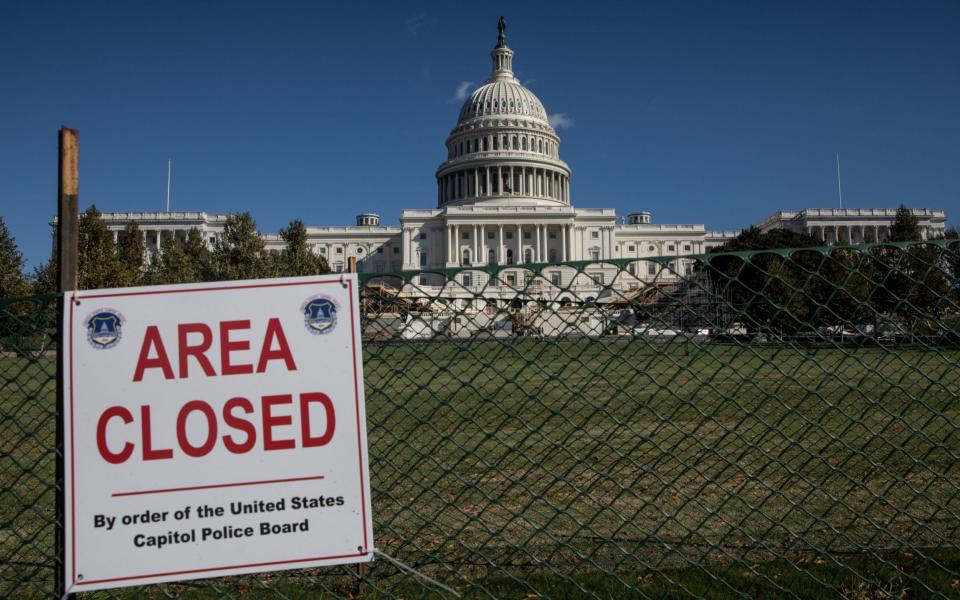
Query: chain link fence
{"points": [[778, 423]]}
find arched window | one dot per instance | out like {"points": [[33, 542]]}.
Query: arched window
{"points": [[506, 143], [484, 144], [496, 143], [524, 143], [466, 256], [491, 257], [515, 144], [528, 255], [540, 146], [509, 256]]}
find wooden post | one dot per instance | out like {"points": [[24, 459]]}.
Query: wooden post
{"points": [[352, 264], [68, 188]]}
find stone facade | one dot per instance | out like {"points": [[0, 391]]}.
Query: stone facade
{"points": [[852, 225]]}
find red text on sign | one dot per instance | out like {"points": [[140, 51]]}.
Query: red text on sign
{"points": [[240, 430], [153, 352]]}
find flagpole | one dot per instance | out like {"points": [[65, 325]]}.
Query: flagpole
{"points": [[839, 189], [168, 183]]}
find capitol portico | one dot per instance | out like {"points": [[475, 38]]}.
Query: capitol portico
{"points": [[504, 198]]}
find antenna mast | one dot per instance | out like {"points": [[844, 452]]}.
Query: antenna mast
{"points": [[168, 184], [839, 189]]}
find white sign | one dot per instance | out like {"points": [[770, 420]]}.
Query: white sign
{"points": [[213, 429]]}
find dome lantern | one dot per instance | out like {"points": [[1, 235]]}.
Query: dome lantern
{"points": [[502, 56]]}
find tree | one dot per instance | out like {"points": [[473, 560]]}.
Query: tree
{"points": [[97, 261], [184, 261], [238, 253], [43, 280], [905, 226], [297, 258], [131, 250], [911, 283], [199, 256], [769, 289], [755, 239], [12, 280]]}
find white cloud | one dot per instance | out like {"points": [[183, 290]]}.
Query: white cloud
{"points": [[416, 23], [463, 90], [560, 120]]}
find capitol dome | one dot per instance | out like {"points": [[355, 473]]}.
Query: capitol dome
{"points": [[505, 98], [503, 149]]}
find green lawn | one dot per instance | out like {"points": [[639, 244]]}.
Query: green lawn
{"points": [[614, 468]]}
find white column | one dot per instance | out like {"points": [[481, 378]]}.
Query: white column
{"points": [[406, 247], [449, 253], [486, 174], [456, 244], [542, 243], [499, 180], [477, 232], [519, 257], [535, 255], [538, 249], [564, 231], [476, 182], [500, 258], [158, 241], [546, 244]]}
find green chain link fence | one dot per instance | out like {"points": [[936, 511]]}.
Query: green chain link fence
{"points": [[776, 423]]}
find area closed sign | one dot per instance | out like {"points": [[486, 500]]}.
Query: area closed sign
{"points": [[213, 429]]}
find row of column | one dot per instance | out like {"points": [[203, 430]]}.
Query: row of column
{"points": [[479, 249], [855, 234], [143, 232], [503, 181]]}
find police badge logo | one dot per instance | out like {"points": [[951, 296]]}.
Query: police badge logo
{"points": [[104, 328], [319, 314]]}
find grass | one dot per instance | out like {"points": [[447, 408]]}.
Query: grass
{"points": [[612, 468]]}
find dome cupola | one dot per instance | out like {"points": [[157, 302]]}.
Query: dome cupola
{"points": [[503, 149]]}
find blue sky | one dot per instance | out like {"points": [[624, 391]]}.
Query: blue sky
{"points": [[701, 112]]}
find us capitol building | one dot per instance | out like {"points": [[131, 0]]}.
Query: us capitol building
{"points": [[504, 198]]}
